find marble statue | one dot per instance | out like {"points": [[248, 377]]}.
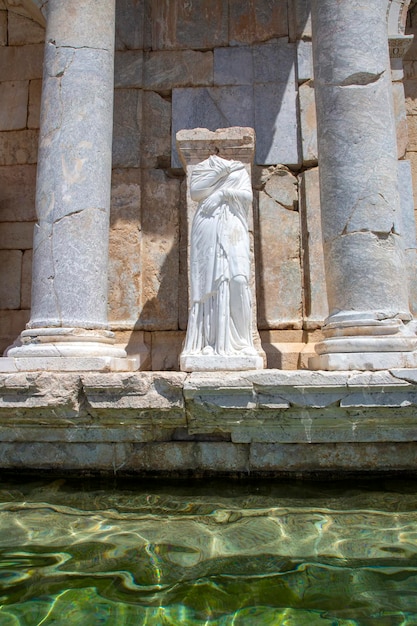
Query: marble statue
{"points": [[220, 320]]}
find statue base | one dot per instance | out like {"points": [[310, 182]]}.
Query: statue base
{"points": [[215, 362]]}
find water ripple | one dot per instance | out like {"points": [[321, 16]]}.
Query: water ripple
{"points": [[213, 556]]}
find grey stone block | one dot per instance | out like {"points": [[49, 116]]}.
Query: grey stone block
{"points": [[315, 293], [164, 70], [274, 63], [17, 193], [276, 124], [10, 277], [23, 30], [233, 66], [304, 61], [254, 87], [21, 62], [269, 108], [308, 123], [127, 127], [16, 236], [128, 69], [19, 147], [280, 288], [129, 24], [13, 104], [212, 108]]}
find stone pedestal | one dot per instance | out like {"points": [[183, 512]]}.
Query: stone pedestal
{"points": [[368, 324], [70, 252], [194, 146]]}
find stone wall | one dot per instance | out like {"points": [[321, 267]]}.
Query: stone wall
{"points": [[211, 65], [207, 63], [21, 58]]}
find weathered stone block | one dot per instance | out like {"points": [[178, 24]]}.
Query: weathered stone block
{"points": [[16, 236], [3, 27], [129, 24], [35, 93], [412, 157], [269, 108], [200, 24], [280, 288], [160, 235], [23, 30], [315, 293], [135, 343], [274, 63], [127, 127], [265, 99], [282, 186], [412, 132], [17, 193], [26, 286], [276, 124], [400, 118], [212, 108], [156, 133], [126, 197], [12, 322], [410, 90], [233, 66], [128, 69], [13, 104], [164, 70], [18, 147], [124, 273], [304, 60], [257, 20], [21, 62], [10, 277], [166, 350], [299, 19], [308, 123], [281, 353]]}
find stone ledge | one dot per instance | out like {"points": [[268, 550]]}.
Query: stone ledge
{"points": [[224, 422]]}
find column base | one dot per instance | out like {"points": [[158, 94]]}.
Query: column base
{"points": [[345, 361], [365, 344], [214, 362], [69, 364], [68, 350]]}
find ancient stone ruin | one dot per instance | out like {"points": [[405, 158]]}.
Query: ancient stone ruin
{"points": [[107, 109]]}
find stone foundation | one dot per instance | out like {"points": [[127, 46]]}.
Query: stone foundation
{"points": [[170, 423]]}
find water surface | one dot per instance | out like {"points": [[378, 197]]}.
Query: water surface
{"points": [[83, 552]]}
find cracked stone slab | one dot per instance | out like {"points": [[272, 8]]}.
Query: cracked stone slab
{"points": [[253, 87]]}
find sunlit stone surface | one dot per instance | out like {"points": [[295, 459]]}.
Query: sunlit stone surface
{"points": [[220, 333]]}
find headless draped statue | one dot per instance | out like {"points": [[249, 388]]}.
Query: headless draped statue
{"points": [[220, 320]]}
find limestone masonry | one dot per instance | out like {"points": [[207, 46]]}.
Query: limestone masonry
{"points": [[106, 107]]}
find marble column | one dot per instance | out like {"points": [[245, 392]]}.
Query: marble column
{"points": [[369, 319], [69, 283]]}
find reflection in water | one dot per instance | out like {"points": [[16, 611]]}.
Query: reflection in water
{"points": [[213, 554]]}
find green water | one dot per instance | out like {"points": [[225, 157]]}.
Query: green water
{"points": [[85, 553]]}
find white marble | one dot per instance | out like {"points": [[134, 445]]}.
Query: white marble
{"points": [[222, 321], [219, 323]]}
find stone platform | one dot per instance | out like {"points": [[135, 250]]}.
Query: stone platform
{"points": [[172, 423]]}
